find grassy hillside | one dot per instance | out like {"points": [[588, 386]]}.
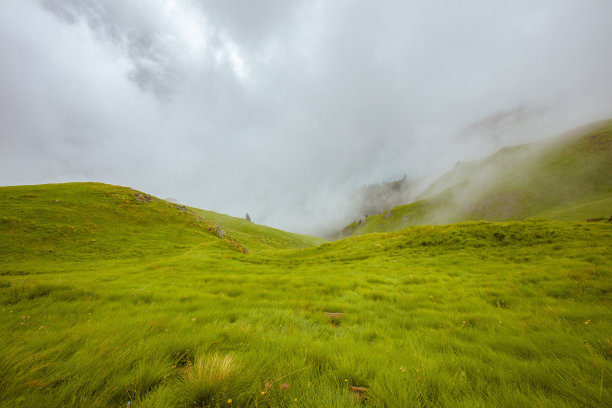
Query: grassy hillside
{"points": [[110, 301], [256, 236], [75, 221], [567, 178]]}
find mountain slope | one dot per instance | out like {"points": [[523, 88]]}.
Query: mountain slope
{"points": [[101, 221], [565, 178], [257, 236]]}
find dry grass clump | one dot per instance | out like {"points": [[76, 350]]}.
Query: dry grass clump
{"points": [[209, 378]]}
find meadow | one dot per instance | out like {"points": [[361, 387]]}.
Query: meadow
{"points": [[112, 298]]}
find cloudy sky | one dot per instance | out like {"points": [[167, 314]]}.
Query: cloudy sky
{"points": [[283, 108]]}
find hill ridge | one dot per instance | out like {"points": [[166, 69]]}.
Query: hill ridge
{"points": [[97, 220], [565, 178]]}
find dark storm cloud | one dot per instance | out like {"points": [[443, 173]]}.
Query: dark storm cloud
{"points": [[283, 109]]}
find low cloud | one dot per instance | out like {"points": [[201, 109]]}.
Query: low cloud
{"points": [[285, 109]]}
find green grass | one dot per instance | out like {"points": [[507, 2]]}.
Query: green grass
{"points": [[106, 299], [257, 236], [76, 221], [566, 178]]}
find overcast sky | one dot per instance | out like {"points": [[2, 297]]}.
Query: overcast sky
{"points": [[283, 108]]}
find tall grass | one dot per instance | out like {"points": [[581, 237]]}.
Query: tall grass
{"points": [[474, 314]]}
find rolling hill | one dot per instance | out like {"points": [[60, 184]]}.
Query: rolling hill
{"points": [[565, 178], [110, 297], [100, 221]]}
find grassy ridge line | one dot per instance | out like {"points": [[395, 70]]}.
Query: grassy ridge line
{"points": [[567, 178], [74, 221], [92, 221], [490, 314], [257, 236]]}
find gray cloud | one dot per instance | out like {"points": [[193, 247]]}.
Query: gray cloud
{"points": [[284, 109]]}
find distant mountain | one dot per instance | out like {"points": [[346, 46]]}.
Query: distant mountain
{"points": [[374, 198], [568, 177]]}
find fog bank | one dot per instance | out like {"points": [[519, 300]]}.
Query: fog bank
{"points": [[284, 109]]}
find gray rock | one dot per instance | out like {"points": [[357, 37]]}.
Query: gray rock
{"points": [[219, 232]]}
